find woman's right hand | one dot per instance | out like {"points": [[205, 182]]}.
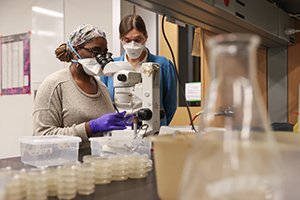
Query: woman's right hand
{"points": [[108, 122]]}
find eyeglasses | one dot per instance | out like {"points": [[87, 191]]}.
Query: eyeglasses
{"points": [[96, 50]]}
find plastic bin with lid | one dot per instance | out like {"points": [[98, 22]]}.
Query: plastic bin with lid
{"points": [[43, 151]]}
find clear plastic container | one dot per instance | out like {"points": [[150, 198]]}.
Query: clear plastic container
{"points": [[44, 151], [120, 145]]}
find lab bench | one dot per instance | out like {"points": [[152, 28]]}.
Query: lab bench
{"points": [[145, 189], [138, 189]]}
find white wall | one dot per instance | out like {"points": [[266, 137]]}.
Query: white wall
{"points": [[95, 12], [16, 16], [47, 33], [15, 118]]}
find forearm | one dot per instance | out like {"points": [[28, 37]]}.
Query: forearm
{"points": [[48, 125]]}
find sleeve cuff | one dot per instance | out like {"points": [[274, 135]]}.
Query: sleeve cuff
{"points": [[81, 131]]}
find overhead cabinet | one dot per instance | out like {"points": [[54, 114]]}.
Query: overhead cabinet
{"points": [[254, 16]]}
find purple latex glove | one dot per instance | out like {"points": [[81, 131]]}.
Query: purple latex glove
{"points": [[108, 122]]}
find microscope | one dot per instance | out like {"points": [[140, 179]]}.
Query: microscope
{"points": [[138, 93]]}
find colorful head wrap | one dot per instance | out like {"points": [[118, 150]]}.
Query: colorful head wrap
{"points": [[85, 33]]}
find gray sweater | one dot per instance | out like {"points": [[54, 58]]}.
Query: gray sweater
{"points": [[62, 108]]}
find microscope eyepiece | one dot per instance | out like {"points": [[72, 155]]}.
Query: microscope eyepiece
{"points": [[104, 58], [122, 77]]}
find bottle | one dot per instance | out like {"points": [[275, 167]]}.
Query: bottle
{"points": [[234, 155]]}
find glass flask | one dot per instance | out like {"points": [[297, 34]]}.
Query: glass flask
{"points": [[235, 155]]}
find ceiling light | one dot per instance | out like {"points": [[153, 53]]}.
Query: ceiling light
{"points": [[47, 12]]}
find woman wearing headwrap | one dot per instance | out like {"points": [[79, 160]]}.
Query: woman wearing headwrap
{"points": [[71, 101]]}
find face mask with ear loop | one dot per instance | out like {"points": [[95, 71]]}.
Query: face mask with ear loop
{"points": [[133, 49], [92, 66]]}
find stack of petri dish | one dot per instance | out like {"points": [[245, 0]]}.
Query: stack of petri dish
{"points": [[36, 184], [67, 181], [5, 178], [102, 167], [15, 188], [51, 181], [23, 176], [119, 167], [85, 179], [15, 183], [138, 166]]}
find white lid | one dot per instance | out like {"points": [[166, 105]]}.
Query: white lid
{"points": [[49, 139], [99, 138], [113, 138]]}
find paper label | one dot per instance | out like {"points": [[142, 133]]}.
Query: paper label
{"points": [[193, 91]]}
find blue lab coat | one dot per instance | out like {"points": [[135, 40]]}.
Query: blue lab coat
{"points": [[168, 85]]}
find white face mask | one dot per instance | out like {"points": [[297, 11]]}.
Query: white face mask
{"points": [[133, 49], [91, 66]]}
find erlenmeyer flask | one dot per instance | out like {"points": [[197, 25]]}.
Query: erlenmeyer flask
{"points": [[235, 155]]}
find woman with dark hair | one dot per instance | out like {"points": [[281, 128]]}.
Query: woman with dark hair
{"points": [[133, 36], [72, 101]]}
